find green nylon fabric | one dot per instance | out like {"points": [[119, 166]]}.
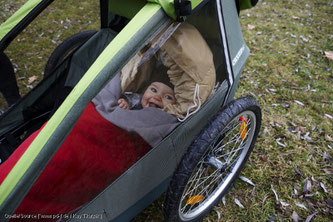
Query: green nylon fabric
{"points": [[122, 7], [168, 6], [245, 4], [12, 21], [23, 164]]}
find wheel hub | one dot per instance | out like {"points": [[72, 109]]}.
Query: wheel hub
{"points": [[216, 163]]}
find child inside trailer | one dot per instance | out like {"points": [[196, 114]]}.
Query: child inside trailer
{"points": [[157, 95], [111, 134]]}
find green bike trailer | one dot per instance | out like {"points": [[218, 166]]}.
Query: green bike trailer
{"points": [[195, 164]]}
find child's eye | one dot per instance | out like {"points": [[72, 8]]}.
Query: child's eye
{"points": [[153, 90], [169, 97]]}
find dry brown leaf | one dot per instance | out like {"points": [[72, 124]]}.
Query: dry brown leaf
{"points": [[300, 129], [329, 55], [32, 79]]}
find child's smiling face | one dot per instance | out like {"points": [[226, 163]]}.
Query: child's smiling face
{"points": [[158, 95]]}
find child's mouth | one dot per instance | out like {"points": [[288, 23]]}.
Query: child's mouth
{"points": [[150, 104]]}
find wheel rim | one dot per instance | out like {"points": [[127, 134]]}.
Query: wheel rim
{"points": [[218, 166]]}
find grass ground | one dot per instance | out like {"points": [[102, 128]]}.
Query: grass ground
{"points": [[290, 75]]}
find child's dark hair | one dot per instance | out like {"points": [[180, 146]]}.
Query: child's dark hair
{"points": [[160, 75]]}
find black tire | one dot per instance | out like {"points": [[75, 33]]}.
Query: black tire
{"points": [[65, 49], [208, 168]]}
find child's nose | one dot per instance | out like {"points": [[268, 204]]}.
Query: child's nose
{"points": [[158, 97]]}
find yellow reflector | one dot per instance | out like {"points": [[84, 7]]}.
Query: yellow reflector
{"points": [[195, 199], [243, 130]]}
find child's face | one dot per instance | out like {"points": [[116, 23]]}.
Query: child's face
{"points": [[158, 95]]}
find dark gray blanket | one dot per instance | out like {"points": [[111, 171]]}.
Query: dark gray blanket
{"points": [[152, 124]]}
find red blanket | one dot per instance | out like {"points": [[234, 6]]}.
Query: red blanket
{"points": [[93, 155]]}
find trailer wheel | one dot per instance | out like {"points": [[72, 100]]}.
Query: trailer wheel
{"points": [[66, 48], [213, 161]]}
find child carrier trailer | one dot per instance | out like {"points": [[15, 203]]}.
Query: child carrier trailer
{"points": [[196, 163]]}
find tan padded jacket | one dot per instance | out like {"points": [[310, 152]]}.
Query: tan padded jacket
{"points": [[189, 63]]}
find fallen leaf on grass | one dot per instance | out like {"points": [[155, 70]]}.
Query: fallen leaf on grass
{"points": [[301, 206], [32, 79], [296, 187], [314, 180], [263, 158], [309, 195], [276, 196], [327, 157], [295, 217], [307, 138], [326, 102], [218, 215], [238, 203], [309, 218], [303, 38], [247, 180], [279, 143], [299, 102], [329, 203], [253, 193], [285, 105], [271, 90], [284, 204], [250, 27], [265, 131], [328, 171], [298, 171], [300, 129], [323, 186], [263, 201], [223, 200], [328, 138], [329, 55], [329, 116]]}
